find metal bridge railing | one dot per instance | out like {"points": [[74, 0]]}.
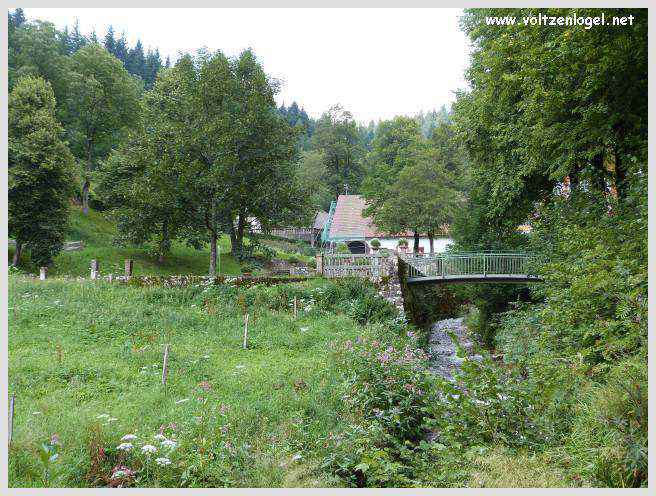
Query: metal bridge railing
{"points": [[469, 264]]}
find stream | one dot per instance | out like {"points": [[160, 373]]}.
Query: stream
{"points": [[442, 349]]}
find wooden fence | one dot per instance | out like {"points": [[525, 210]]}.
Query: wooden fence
{"points": [[306, 234], [68, 245]]}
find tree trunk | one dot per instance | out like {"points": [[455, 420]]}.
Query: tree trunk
{"points": [[17, 254], [233, 239], [599, 173], [87, 184], [620, 178], [430, 240], [85, 196], [415, 248], [164, 245], [237, 237], [213, 239]]}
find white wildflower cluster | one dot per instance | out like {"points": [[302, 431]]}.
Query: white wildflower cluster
{"points": [[148, 449], [169, 444], [127, 445], [106, 418]]}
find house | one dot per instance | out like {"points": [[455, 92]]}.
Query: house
{"points": [[347, 223]]}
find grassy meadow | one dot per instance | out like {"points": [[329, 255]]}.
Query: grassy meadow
{"points": [[85, 363], [98, 235]]}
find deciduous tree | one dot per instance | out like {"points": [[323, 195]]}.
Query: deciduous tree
{"points": [[40, 171], [102, 106]]}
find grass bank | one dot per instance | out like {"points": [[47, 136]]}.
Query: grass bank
{"points": [[85, 363], [98, 235]]}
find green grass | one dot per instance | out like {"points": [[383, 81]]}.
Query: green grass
{"points": [[78, 350], [98, 234], [498, 468]]}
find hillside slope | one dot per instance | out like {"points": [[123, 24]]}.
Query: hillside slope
{"points": [[98, 234]]}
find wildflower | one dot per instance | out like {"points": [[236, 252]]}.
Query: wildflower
{"points": [[297, 457], [383, 357], [125, 447], [160, 437], [148, 449], [169, 444], [162, 461], [348, 344], [224, 430], [182, 401], [129, 437], [54, 439], [118, 474]]}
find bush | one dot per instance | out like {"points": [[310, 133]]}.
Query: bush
{"points": [[375, 243], [609, 438], [342, 248], [387, 394]]}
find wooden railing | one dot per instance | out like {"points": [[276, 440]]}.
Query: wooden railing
{"points": [[470, 265], [351, 265]]}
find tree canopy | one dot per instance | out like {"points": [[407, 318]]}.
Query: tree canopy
{"points": [[41, 177]]}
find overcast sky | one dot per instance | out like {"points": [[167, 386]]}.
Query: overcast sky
{"points": [[376, 62]]}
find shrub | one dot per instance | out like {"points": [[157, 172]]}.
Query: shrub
{"points": [[342, 248], [387, 394], [403, 243], [609, 438], [375, 243]]}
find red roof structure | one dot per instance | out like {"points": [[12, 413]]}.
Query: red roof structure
{"points": [[349, 222]]}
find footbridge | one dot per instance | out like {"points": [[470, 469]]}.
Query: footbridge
{"points": [[470, 267]]}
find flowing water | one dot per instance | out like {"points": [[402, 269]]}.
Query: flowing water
{"points": [[442, 349]]}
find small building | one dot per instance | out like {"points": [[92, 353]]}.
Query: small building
{"points": [[310, 234], [347, 223]]}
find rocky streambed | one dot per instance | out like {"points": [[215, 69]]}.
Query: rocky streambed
{"points": [[442, 348]]}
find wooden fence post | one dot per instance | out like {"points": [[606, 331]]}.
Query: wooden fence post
{"points": [[95, 269], [42, 273], [128, 267], [11, 416], [165, 365], [245, 344], [320, 264]]}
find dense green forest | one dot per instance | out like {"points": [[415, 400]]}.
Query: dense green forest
{"points": [[551, 133], [127, 133]]}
